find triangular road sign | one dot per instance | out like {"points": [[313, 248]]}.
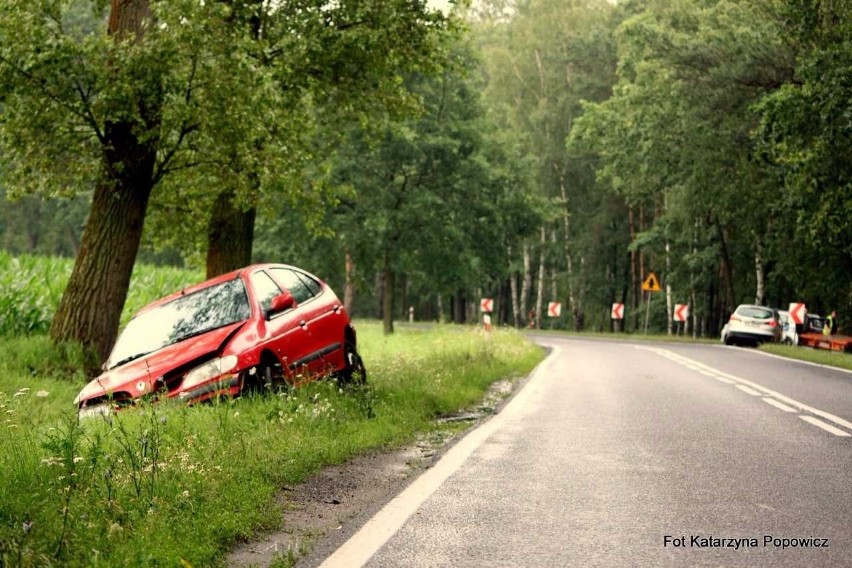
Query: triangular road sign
{"points": [[651, 284]]}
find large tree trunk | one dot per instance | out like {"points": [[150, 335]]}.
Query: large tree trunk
{"points": [[91, 306], [230, 234], [90, 309]]}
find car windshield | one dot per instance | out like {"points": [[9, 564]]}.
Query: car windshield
{"points": [[182, 318]]}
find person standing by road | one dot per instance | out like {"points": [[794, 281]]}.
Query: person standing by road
{"points": [[830, 324]]}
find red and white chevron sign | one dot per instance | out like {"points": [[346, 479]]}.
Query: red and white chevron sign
{"points": [[681, 312], [554, 309], [797, 312], [486, 305], [618, 311]]}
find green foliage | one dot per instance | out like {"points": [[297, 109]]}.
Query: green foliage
{"points": [[166, 484]]}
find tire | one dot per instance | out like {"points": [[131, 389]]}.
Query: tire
{"points": [[729, 340], [354, 372], [267, 376]]}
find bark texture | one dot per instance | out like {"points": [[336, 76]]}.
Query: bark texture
{"points": [[230, 234]]}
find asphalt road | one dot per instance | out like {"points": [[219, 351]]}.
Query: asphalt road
{"points": [[618, 454]]}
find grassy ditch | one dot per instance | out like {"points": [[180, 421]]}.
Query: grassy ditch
{"points": [[819, 356], [170, 485]]}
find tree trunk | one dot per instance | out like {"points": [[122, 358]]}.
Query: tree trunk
{"points": [[91, 306], [539, 297], [513, 286], [726, 269], [634, 274], [569, 261], [554, 289], [526, 284], [230, 234], [387, 298], [760, 292], [669, 302], [349, 286], [459, 307]]}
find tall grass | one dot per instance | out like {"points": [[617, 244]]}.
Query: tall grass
{"points": [[31, 287], [171, 485]]}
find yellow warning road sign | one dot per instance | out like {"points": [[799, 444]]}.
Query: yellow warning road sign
{"points": [[651, 284]]}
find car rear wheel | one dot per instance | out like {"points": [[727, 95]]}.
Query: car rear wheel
{"points": [[354, 372]]}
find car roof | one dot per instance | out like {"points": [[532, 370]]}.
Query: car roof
{"points": [[212, 282]]}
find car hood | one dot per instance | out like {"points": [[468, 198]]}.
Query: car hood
{"points": [[137, 377]]}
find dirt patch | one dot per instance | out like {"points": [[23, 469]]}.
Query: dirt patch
{"points": [[321, 508]]}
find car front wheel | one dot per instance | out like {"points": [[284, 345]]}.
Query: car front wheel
{"points": [[354, 372]]}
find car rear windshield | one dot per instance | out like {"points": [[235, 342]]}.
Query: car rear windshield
{"points": [[182, 318], [757, 313]]}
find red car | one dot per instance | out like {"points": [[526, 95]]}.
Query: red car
{"points": [[251, 328]]}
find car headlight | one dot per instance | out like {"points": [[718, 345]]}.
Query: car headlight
{"points": [[209, 370]]}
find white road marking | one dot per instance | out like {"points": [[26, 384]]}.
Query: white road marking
{"points": [[800, 406], [748, 390], [358, 550], [724, 380], [776, 404], [825, 426]]}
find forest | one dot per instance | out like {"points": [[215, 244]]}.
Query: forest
{"points": [[529, 151]]}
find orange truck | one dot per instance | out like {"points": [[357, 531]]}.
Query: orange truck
{"points": [[811, 335]]}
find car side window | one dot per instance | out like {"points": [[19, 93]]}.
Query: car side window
{"points": [[264, 289], [293, 283], [312, 284]]}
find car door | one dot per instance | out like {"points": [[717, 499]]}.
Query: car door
{"points": [[322, 316], [282, 333]]}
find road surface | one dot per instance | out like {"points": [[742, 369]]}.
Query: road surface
{"points": [[627, 454]]}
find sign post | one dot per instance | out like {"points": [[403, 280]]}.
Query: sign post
{"points": [[486, 306], [681, 314], [617, 315], [651, 284]]}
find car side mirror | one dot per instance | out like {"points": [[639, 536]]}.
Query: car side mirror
{"points": [[280, 303]]}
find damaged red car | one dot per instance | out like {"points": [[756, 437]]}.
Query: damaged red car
{"points": [[260, 326]]}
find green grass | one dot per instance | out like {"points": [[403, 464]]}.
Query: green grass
{"points": [[820, 356], [167, 484]]}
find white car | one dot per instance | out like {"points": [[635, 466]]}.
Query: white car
{"points": [[751, 324]]}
